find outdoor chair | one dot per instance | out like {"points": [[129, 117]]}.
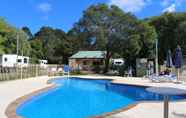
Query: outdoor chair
{"points": [[66, 70]]}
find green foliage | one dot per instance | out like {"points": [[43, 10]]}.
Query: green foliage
{"points": [[28, 32], [170, 28], [2, 48], [77, 72], [4, 27], [8, 39], [109, 28], [51, 44], [36, 50], [141, 72], [101, 27]]}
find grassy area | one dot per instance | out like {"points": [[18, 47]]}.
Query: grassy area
{"points": [[78, 73]]}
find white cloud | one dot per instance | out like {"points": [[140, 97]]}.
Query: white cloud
{"points": [[130, 5], [169, 2], [45, 7], [171, 8], [165, 2], [180, 2]]}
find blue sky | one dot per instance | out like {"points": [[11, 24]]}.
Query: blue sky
{"points": [[64, 13]]}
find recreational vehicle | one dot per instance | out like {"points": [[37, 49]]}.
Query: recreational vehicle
{"points": [[43, 63], [11, 60]]}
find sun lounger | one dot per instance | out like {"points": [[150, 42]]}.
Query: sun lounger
{"points": [[170, 78], [163, 78], [154, 78]]}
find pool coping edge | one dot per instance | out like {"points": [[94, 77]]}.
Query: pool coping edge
{"points": [[10, 111]]}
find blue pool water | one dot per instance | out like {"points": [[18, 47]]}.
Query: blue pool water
{"points": [[77, 98]]}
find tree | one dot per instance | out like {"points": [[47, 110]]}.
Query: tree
{"points": [[4, 30], [36, 51], [135, 39], [55, 45], [95, 29], [4, 27], [28, 32], [8, 39], [11, 43], [109, 28], [170, 32], [2, 41], [180, 35], [147, 35]]}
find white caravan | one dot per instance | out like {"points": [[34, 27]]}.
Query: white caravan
{"points": [[43, 63], [22, 61], [117, 62], [11, 60]]}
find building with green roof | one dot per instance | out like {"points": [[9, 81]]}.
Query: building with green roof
{"points": [[87, 60]]}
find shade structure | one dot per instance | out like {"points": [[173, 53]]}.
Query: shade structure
{"points": [[169, 63], [178, 58]]}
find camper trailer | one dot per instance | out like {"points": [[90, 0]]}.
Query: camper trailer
{"points": [[22, 61], [117, 62], [11, 60], [8, 60], [43, 63]]}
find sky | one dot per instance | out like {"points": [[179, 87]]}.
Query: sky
{"points": [[64, 13]]}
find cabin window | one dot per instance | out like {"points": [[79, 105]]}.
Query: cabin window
{"points": [[5, 59], [118, 63], [84, 63], [95, 63], [25, 60], [19, 61]]}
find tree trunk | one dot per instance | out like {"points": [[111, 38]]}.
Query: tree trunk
{"points": [[107, 61]]}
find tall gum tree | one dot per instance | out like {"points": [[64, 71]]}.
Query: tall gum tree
{"points": [[104, 27]]}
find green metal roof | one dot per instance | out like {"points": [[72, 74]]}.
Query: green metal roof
{"points": [[89, 54]]}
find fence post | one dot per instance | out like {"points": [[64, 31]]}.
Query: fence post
{"points": [[36, 70], [21, 72]]}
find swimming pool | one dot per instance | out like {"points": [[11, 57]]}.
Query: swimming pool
{"points": [[81, 98]]}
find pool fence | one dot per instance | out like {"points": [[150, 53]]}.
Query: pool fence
{"points": [[31, 70]]}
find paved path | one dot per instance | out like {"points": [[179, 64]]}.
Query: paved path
{"points": [[11, 90], [153, 110]]}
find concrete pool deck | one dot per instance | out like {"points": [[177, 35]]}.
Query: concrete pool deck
{"points": [[11, 90]]}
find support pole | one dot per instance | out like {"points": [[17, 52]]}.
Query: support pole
{"points": [[22, 62], [166, 106], [178, 74], [157, 68], [17, 51]]}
